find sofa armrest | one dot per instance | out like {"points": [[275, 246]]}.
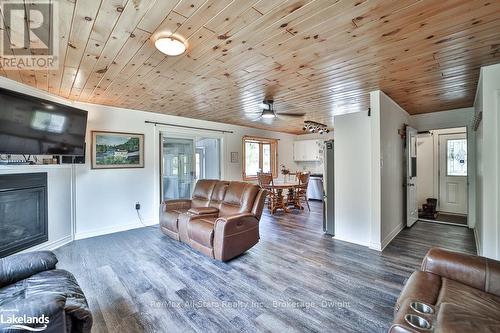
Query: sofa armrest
{"points": [[204, 211], [175, 204], [236, 223], [478, 272], [235, 234], [21, 266]]}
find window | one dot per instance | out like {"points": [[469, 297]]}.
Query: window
{"points": [[456, 157], [259, 154]]}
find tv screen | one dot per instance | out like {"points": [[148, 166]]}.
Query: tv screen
{"points": [[33, 126]]}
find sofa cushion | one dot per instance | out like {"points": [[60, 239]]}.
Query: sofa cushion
{"points": [[453, 318], [202, 231], [218, 194], [23, 265], [476, 301], [203, 192], [203, 210], [53, 293], [239, 198]]}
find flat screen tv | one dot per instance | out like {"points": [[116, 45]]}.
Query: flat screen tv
{"points": [[34, 126]]}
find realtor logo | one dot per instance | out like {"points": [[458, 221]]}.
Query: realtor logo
{"points": [[23, 322], [30, 36]]}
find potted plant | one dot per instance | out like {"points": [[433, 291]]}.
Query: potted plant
{"points": [[285, 172]]}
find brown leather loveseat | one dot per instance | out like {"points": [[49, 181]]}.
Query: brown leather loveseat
{"points": [[221, 220], [462, 293]]}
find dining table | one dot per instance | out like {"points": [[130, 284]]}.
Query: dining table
{"points": [[282, 202]]}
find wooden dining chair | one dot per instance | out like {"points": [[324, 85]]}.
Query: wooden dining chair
{"points": [[301, 189], [266, 181]]}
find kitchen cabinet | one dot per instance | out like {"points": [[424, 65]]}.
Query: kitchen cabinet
{"points": [[308, 150]]}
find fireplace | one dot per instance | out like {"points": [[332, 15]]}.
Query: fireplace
{"points": [[23, 211]]}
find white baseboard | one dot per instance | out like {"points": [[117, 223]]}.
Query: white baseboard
{"points": [[375, 246], [51, 245], [478, 243], [391, 236], [112, 229], [350, 241]]}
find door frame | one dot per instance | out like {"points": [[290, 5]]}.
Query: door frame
{"points": [[181, 133], [409, 179], [471, 166]]}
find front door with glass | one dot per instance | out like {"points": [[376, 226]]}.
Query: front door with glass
{"points": [[453, 173]]}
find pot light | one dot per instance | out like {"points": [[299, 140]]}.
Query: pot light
{"points": [[170, 46]]}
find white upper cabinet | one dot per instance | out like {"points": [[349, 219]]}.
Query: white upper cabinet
{"points": [[308, 150]]}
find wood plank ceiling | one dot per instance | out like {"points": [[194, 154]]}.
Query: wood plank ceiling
{"points": [[321, 57]]}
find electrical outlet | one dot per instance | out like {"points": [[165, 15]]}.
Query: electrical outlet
{"points": [[137, 206]]}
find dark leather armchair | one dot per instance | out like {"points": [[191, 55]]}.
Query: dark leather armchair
{"points": [[31, 286], [462, 290], [221, 220]]}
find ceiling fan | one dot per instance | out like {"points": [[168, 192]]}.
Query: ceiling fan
{"points": [[268, 112]]}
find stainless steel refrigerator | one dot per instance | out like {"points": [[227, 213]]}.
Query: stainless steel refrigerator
{"points": [[328, 197]]}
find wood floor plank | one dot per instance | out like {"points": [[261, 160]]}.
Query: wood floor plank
{"points": [[295, 279]]}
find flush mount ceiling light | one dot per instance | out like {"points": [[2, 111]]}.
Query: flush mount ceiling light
{"points": [[268, 114], [171, 46]]}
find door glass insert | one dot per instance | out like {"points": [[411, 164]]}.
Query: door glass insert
{"points": [[177, 168], [456, 150]]}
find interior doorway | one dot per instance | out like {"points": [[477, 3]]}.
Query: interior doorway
{"points": [[184, 159], [442, 170]]}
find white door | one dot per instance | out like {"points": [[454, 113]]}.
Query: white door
{"points": [[411, 176], [453, 173]]}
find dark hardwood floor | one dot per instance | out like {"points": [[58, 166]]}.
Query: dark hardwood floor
{"points": [[295, 280]]}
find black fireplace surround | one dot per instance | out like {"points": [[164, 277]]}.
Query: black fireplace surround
{"points": [[23, 211]]}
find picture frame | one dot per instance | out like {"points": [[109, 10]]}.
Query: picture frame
{"points": [[117, 150], [234, 157]]}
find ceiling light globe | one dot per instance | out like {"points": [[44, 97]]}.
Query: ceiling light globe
{"points": [[268, 114], [170, 46]]}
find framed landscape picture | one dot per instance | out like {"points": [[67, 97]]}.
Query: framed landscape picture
{"points": [[113, 150]]}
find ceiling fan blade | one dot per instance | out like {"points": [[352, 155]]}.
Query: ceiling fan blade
{"points": [[292, 115]]}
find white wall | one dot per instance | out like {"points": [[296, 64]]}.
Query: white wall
{"points": [[443, 119], [352, 178], [105, 199], [487, 173], [388, 157]]}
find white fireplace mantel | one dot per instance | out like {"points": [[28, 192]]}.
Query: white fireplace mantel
{"points": [[60, 191]]}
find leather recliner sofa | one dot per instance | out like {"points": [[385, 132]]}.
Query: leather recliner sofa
{"points": [[50, 299], [462, 291], [221, 220]]}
